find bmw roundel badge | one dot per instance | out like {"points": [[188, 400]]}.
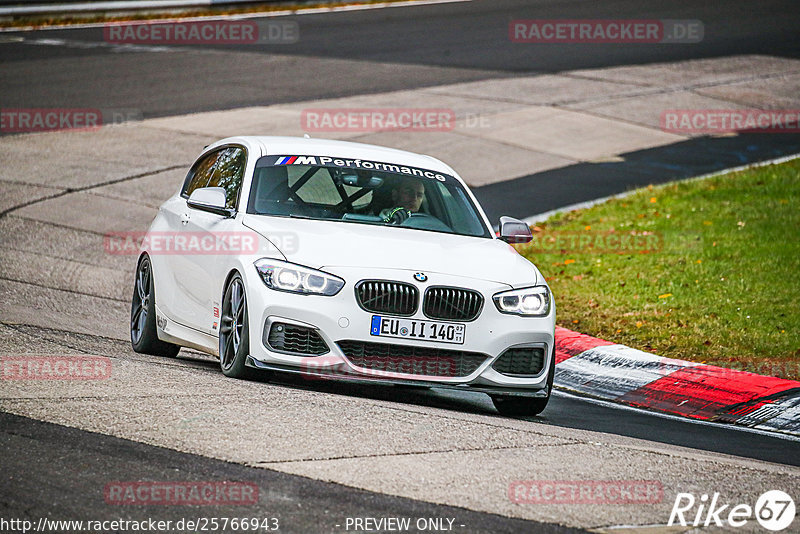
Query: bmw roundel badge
{"points": [[420, 277]]}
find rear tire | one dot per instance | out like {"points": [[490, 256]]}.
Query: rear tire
{"points": [[526, 406], [144, 335], [234, 331]]}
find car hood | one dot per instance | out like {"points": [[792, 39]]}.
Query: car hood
{"points": [[329, 244]]}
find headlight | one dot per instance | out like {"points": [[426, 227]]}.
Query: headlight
{"points": [[531, 301], [283, 276]]}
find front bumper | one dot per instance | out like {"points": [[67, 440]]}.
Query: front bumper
{"points": [[340, 318]]}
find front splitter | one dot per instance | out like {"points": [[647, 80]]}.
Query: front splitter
{"points": [[342, 374]]}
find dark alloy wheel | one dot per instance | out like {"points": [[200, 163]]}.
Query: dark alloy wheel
{"points": [[144, 336], [234, 342]]}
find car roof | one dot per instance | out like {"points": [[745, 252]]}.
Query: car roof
{"points": [[306, 146]]}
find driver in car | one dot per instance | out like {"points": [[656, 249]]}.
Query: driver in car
{"points": [[407, 197]]}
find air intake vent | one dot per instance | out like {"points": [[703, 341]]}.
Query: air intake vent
{"points": [[452, 304], [295, 339], [527, 361], [394, 298], [412, 360]]}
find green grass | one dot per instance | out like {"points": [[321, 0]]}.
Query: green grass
{"points": [[722, 285]]}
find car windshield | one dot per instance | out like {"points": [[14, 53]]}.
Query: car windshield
{"points": [[363, 192]]}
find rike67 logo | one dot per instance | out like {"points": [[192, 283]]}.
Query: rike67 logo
{"points": [[774, 510]]}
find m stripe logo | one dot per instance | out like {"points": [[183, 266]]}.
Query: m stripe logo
{"points": [[296, 160]]}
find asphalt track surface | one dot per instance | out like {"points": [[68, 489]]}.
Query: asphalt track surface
{"points": [[365, 52], [70, 463], [360, 52]]}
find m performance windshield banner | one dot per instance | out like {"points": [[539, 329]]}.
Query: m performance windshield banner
{"points": [[356, 164]]}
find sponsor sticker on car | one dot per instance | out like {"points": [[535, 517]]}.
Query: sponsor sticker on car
{"points": [[418, 330]]}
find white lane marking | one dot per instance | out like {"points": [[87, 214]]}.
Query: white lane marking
{"points": [[54, 42], [609, 404], [282, 13], [533, 219], [101, 44]]}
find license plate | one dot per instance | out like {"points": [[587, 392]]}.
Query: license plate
{"points": [[415, 329]]}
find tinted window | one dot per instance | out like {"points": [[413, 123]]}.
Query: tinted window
{"points": [[200, 173], [228, 173], [222, 168]]}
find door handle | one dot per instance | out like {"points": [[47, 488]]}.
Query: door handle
{"points": [[184, 218]]}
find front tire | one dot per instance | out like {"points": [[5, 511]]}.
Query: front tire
{"points": [[526, 406], [234, 331], [144, 336]]}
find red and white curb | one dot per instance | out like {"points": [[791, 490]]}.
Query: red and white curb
{"points": [[601, 369]]}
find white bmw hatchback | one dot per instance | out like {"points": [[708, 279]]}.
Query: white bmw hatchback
{"points": [[346, 261]]}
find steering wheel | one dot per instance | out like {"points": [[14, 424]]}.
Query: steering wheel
{"points": [[419, 217], [398, 215], [426, 221]]}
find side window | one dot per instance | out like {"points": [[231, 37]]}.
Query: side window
{"points": [[228, 173], [200, 173]]}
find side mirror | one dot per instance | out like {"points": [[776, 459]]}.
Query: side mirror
{"points": [[211, 199], [514, 231]]}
